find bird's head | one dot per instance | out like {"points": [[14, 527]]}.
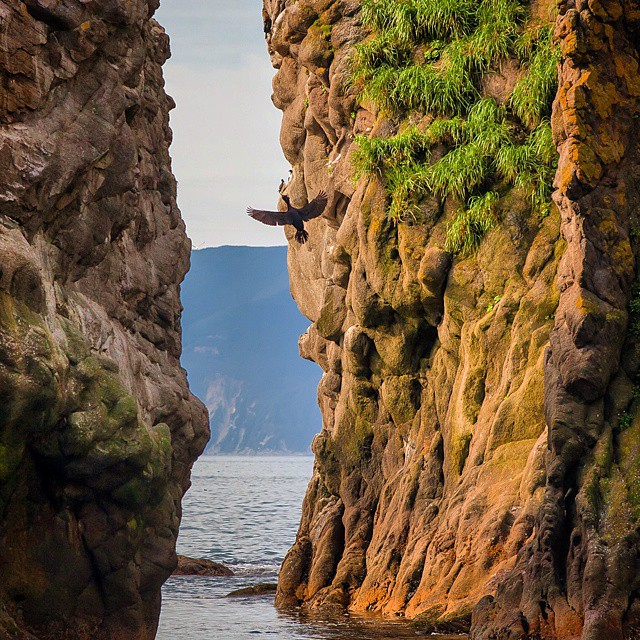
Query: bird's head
{"points": [[286, 200]]}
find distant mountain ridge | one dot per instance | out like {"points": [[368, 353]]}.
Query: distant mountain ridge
{"points": [[240, 350]]}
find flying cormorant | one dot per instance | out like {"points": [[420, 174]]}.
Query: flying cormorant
{"points": [[293, 216]]}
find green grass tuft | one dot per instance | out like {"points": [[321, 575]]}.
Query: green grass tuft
{"points": [[471, 223], [428, 56], [476, 140], [445, 88], [411, 21], [381, 49], [498, 25], [373, 155], [482, 151], [532, 96], [460, 40]]}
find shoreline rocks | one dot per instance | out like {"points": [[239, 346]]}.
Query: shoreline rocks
{"points": [[201, 567], [254, 590]]}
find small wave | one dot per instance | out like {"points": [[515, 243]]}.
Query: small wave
{"points": [[255, 570]]}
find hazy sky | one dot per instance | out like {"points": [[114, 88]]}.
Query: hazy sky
{"points": [[226, 153]]}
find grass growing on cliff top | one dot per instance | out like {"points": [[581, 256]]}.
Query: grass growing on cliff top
{"points": [[429, 56], [483, 153], [533, 94]]}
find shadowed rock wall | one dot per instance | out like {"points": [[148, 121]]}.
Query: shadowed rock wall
{"points": [[98, 429], [438, 484]]}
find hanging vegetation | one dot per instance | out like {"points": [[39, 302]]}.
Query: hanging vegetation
{"points": [[428, 57]]}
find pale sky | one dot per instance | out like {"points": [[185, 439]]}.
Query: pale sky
{"points": [[226, 153]]}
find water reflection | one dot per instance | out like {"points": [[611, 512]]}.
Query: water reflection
{"points": [[245, 512]]}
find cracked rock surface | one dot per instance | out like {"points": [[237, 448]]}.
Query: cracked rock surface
{"points": [[478, 464], [98, 429]]}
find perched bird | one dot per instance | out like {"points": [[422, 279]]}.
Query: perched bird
{"points": [[293, 216]]}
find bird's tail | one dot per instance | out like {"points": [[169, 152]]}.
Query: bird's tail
{"points": [[302, 236]]}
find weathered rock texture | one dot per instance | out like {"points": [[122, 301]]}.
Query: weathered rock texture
{"points": [[98, 429], [472, 455], [579, 577]]}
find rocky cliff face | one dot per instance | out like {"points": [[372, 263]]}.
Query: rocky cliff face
{"points": [[478, 463], [98, 429], [578, 576]]}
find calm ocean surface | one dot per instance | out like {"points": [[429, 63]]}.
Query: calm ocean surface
{"points": [[244, 512]]}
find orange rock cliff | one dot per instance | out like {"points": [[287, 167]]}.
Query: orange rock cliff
{"points": [[473, 307]]}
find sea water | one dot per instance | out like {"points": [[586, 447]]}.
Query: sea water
{"points": [[244, 512]]}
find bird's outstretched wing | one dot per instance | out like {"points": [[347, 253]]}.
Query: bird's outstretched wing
{"points": [[272, 218], [315, 208]]}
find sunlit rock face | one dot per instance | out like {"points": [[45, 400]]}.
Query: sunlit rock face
{"points": [[479, 450], [98, 429]]}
